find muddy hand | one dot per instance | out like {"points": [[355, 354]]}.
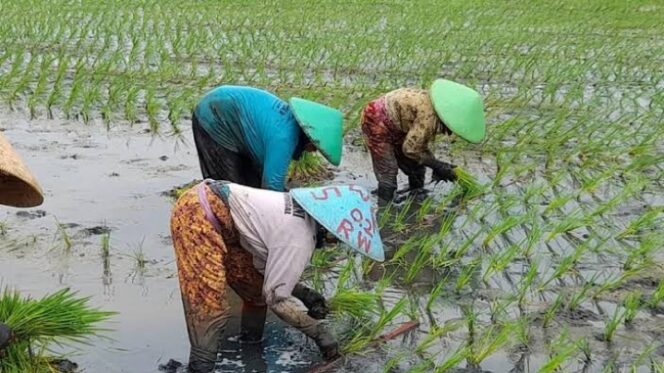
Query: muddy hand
{"points": [[5, 336], [443, 172], [318, 311], [328, 346], [314, 302]]}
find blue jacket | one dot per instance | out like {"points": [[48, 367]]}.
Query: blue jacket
{"points": [[255, 123]]}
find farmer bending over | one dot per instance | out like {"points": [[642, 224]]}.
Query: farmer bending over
{"points": [[399, 126], [259, 242], [249, 136], [18, 188]]}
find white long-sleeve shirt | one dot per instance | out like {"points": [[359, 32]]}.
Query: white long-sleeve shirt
{"points": [[279, 234]]}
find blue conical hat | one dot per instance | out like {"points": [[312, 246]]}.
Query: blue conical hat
{"points": [[347, 212]]}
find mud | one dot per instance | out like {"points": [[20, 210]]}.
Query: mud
{"points": [[119, 185], [98, 184]]}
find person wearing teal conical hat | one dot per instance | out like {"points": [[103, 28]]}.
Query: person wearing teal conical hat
{"points": [[258, 242], [399, 126], [249, 136]]}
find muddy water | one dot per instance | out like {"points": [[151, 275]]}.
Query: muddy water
{"points": [[100, 182], [112, 182]]}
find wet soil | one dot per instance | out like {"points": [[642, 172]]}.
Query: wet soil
{"points": [[119, 185], [115, 184]]}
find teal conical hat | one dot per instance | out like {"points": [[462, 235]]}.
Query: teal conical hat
{"points": [[347, 212], [322, 124], [460, 108]]}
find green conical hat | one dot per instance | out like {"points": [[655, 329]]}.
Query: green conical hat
{"points": [[460, 108], [322, 124]]}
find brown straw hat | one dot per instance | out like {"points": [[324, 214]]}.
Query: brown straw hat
{"points": [[18, 187]]}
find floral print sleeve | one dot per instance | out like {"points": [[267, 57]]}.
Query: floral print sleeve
{"points": [[411, 110]]}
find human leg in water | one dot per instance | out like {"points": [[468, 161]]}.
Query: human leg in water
{"points": [[290, 312], [200, 251], [416, 173], [379, 138]]}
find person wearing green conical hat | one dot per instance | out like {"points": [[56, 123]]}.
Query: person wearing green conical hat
{"points": [[399, 126], [258, 242], [249, 136]]}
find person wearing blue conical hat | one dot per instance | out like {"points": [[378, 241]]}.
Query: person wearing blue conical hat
{"points": [[399, 126], [258, 242], [249, 136]]}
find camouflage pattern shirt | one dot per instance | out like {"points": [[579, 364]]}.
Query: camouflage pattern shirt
{"points": [[411, 111]]}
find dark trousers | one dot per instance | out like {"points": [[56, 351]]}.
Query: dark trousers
{"points": [[385, 146], [219, 163]]}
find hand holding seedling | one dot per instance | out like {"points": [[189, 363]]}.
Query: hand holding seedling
{"points": [[443, 172], [314, 301]]}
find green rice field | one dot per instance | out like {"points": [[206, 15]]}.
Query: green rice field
{"points": [[554, 263]]}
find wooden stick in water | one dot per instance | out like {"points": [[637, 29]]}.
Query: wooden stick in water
{"points": [[401, 329]]}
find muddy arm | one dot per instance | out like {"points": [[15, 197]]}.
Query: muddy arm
{"points": [[442, 171], [288, 311]]}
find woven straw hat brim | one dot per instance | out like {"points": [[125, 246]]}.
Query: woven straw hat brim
{"points": [[18, 187]]}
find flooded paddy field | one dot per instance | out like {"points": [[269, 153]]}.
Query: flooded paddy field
{"points": [[557, 265]]}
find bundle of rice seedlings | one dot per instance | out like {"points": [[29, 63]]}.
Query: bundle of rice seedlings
{"points": [[470, 186], [357, 304], [60, 318], [308, 169], [179, 190]]}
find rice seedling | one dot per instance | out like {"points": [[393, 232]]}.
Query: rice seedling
{"points": [[105, 245], [435, 334], [470, 186], [527, 282], [523, 332], [393, 362], [657, 296], [575, 159], [643, 357], [557, 360], [58, 318], [399, 223], [642, 255], [453, 360], [466, 275], [551, 311], [584, 346], [612, 324], [386, 317], [424, 210], [355, 303], [656, 366], [498, 262], [66, 239], [423, 258], [632, 302], [435, 293], [647, 220], [493, 338], [307, 170], [502, 227], [576, 298]]}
